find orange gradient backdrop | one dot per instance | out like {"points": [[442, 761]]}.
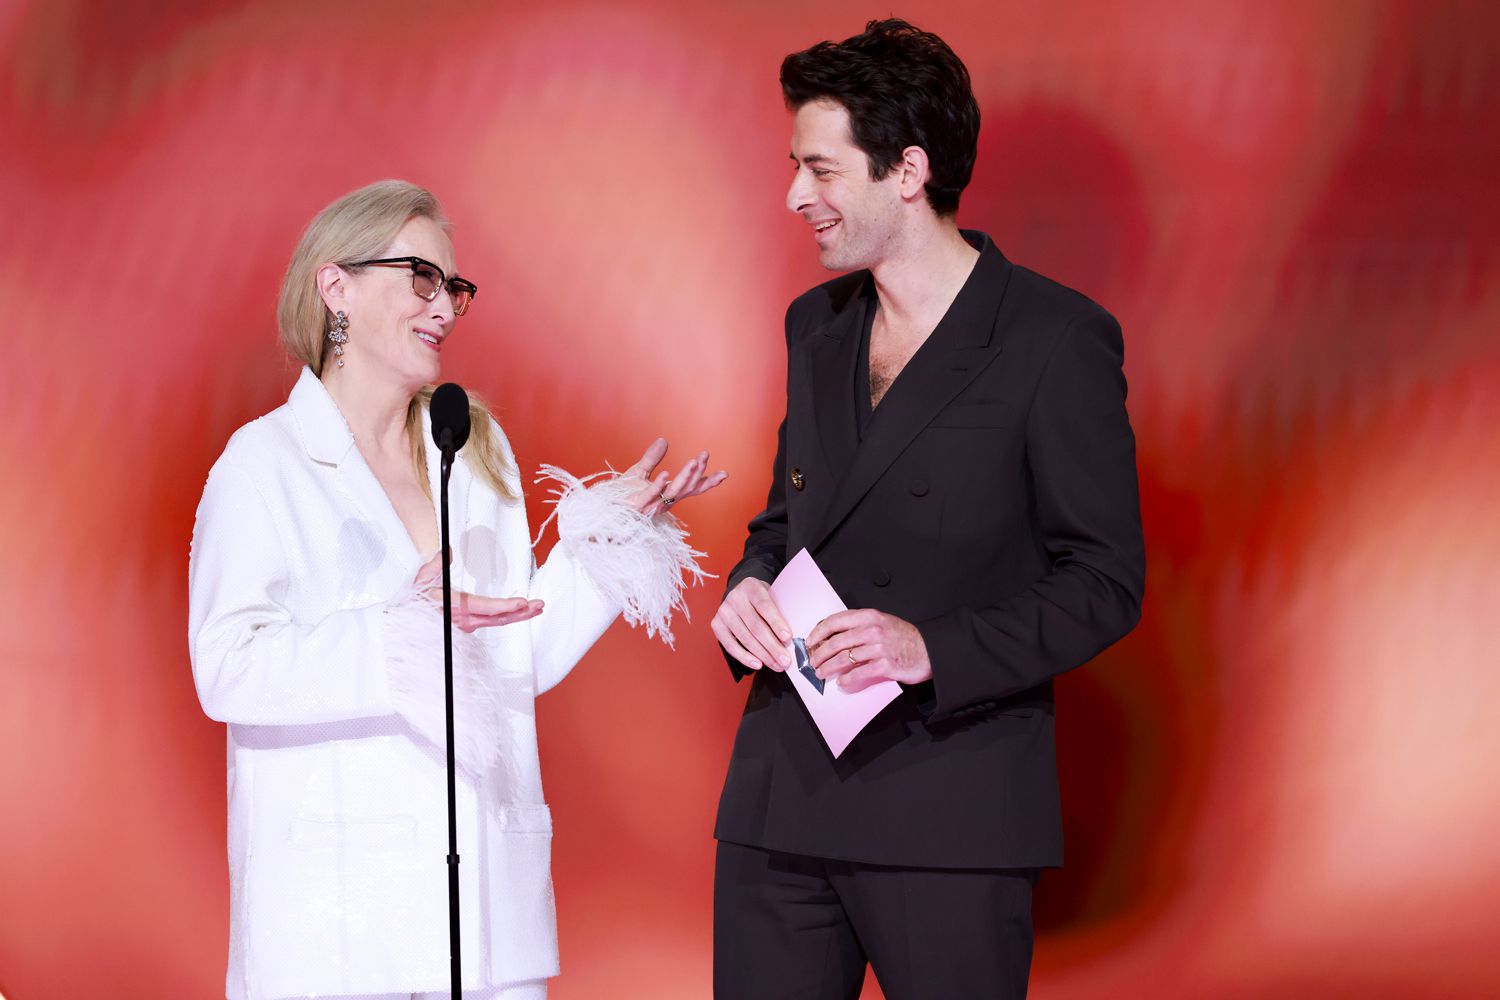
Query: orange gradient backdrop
{"points": [[1280, 785]]}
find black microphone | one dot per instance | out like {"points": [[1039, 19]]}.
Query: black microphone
{"points": [[450, 417]]}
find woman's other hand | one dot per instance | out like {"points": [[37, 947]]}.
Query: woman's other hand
{"points": [[472, 612], [658, 492]]}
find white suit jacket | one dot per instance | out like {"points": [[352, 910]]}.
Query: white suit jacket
{"points": [[337, 806]]}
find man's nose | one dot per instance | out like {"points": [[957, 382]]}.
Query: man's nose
{"points": [[799, 195]]}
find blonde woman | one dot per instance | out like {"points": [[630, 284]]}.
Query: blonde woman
{"points": [[316, 636]]}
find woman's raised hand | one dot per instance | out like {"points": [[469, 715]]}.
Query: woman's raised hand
{"points": [[472, 612], [658, 492]]}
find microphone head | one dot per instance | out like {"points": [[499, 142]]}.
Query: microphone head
{"points": [[450, 416]]}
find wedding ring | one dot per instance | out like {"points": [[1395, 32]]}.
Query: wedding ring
{"points": [[668, 501], [850, 653]]}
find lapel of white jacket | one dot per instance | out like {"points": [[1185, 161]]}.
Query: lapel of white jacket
{"points": [[328, 440]]}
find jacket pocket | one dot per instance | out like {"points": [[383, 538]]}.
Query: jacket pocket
{"points": [[535, 818]]}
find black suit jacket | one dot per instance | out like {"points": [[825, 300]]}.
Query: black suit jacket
{"points": [[992, 502]]}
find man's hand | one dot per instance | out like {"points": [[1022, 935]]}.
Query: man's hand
{"points": [[750, 627], [858, 648]]}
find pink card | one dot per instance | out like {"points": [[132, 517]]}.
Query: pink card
{"points": [[805, 598]]}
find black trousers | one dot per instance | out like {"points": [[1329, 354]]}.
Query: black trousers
{"points": [[791, 927]]}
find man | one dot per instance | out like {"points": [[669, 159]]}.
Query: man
{"points": [[957, 458]]}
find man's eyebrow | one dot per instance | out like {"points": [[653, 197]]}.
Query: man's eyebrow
{"points": [[811, 158]]}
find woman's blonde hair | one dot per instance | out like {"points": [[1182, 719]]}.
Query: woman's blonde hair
{"points": [[359, 226]]}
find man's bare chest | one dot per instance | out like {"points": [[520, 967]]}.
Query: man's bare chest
{"points": [[889, 355]]}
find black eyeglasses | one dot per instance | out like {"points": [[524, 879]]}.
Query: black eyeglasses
{"points": [[427, 279]]}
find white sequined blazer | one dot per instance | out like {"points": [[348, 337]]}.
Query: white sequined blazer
{"points": [[307, 639]]}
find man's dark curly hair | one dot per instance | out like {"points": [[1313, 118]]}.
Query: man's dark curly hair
{"points": [[902, 87]]}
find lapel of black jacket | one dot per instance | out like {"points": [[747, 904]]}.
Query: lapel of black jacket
{"points": [[831, 357], [954, 354]]}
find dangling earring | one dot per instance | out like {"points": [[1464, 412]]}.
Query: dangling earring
{"points": [[338, 335]]}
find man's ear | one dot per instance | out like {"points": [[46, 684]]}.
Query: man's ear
{"points": [[332, 287], [915, 173]]}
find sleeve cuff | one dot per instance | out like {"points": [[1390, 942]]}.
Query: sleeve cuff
{"points": [[412, 634], [639, 563]]}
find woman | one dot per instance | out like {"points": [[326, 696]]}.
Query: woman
{"points": [[315, 633]]}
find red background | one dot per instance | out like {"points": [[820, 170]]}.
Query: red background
{"points": [[1280, 784]]}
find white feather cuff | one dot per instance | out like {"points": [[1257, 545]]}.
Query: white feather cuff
{"points": [[637, 561], [413, 633]]}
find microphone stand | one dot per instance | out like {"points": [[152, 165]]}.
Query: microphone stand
{"points": [[446, 444]]}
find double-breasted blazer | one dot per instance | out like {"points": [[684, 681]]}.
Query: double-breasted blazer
{"points": [[337, 806], [992, 502]]}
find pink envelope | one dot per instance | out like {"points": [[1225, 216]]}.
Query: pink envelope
{"points": [[805, 598]]}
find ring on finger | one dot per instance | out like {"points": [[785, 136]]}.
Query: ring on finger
{"points": [[850, 653]]}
